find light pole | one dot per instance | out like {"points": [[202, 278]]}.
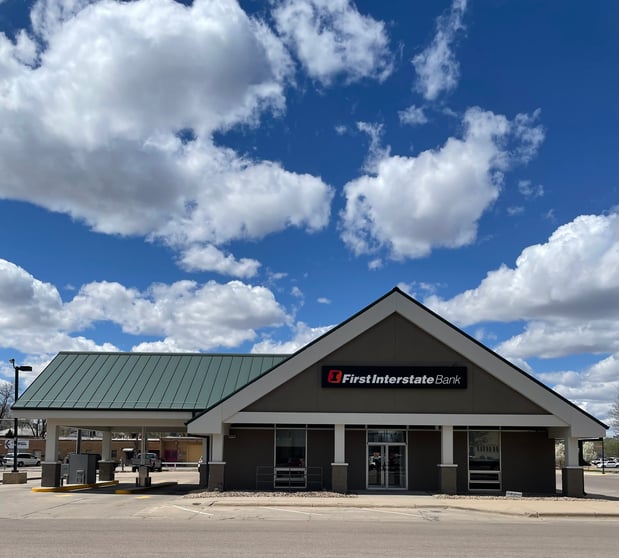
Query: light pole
{"points": [[15, 425]]}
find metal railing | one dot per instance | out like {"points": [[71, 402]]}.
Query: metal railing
{"points": [[269, 478], [484, 480], [179, 464]]}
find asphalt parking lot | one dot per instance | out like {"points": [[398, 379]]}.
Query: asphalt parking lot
{"points": [[185, 501]]}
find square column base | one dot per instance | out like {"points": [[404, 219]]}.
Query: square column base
{"points": [[50, 474], [14, 478], [339, 477], [203, 475], [573, 482], [106, 470], [143, 478], [216, 475], [447, 477]]}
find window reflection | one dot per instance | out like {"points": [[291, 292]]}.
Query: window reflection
{"points": [[290, 447]]}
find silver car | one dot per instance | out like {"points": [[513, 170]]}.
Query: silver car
{"points": [[23, 459], [608, 463]]}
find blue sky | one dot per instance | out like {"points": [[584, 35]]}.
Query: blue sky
{"points": [[237, 177]]}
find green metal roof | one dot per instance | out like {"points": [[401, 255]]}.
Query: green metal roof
{"points": [[143, 381]]}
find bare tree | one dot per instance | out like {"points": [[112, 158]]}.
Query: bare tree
{"points": [[614, 416], [589, 451], [38, 427], [6, 398]]}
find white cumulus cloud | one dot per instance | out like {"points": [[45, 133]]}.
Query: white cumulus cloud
{"points": [[411, 205], [573, 276], [184, 315], [413, 116], [589, 388], [437, 67], [210, 258], [127, 97], [302, 335], [33, 318], [331, 38]]}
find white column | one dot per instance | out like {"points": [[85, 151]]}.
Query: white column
{"points": [[571, 452], [572, 474], [217, 448], [144, 446], [51, 443], [339, 451], [447, 445], [106, 446]]}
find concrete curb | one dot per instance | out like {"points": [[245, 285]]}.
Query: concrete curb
{"points": [[134, 489], [525, 509], [72, 487]]}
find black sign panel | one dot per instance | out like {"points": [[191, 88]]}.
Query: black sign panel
{"points": [[399, 377]]}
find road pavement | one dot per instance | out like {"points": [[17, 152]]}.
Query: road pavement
{"points": [[181, 520], [424, 536]]}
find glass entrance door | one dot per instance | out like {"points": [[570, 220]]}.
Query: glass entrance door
{"points": [[386, 466]]}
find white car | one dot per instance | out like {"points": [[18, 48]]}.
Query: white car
{"points": [[23, 459], [608, 464]]}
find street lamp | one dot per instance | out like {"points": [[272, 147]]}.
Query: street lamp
{"points": [[17, 369]]}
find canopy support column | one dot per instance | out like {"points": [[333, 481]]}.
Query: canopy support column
{"points": [[339, 467]]}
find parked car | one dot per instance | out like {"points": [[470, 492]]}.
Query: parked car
{"points": [[608, 464], [151, 460], [23, 459]]}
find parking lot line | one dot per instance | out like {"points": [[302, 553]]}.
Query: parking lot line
{"points": [[193, 511], [392, 512], [291, 511]]}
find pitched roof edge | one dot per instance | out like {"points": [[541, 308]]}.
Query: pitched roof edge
{"points": [[159, 353], [423, 308], [297, 352], [505, 361]]}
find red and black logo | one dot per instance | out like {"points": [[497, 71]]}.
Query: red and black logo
{"points": [[394, 377], [335, 377]]}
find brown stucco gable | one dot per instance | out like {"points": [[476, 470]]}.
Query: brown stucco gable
{"points": [[395, 341]]}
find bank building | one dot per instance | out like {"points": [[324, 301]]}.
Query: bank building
{"points": [[395, 398]]}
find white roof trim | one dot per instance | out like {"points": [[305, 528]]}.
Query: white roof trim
{"points": [[582, 425], [173, 420], [416, 419]]}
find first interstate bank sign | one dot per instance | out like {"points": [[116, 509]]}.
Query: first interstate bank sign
{"points": [[416, 377]]}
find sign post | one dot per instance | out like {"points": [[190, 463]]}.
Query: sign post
{"points": [[17, 369]]}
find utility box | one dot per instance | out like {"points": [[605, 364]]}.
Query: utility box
{"points": [[82, 468]]}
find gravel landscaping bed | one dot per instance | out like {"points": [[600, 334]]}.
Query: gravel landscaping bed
{"points": [[326, 494], [267, 494]]}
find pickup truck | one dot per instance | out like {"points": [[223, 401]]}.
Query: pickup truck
{"points": [[151, 460]]}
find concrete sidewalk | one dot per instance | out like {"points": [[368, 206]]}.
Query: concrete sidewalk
{"points": [[525, 506]]}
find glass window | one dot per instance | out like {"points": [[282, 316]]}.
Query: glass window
{"points": [[484, 450], [289, 447], [484, 460], [386, 436]]}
